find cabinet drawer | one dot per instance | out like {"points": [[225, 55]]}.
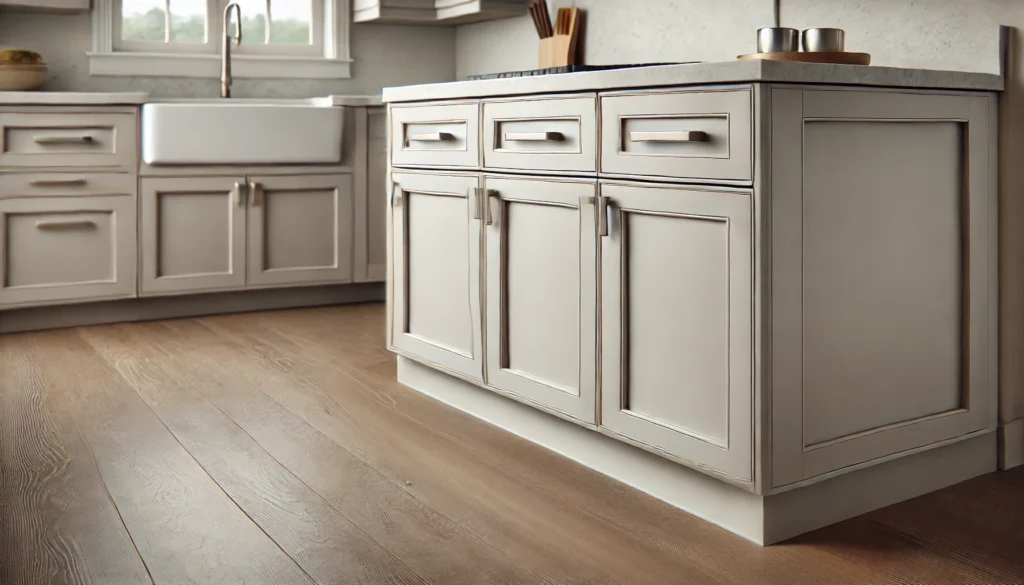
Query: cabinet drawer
{"points": [[63, 249], [541, 134], [67, 140], [686, 135], [436, 136], [16, 185]]}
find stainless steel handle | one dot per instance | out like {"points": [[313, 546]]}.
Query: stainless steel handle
{"points": [[684, 136], [256, 193], [488, 214], [475, 202], [534, 137], [80, 139], [59, 182], [65, 225], [239, 198], [396, 196], [604, 216], [431, 137]]}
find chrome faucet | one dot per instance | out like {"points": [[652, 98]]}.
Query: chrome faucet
{"points": [[225, 70]]}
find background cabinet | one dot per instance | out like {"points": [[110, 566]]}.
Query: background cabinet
{"points": [[192, 235], [48, 5], [300, 230], [677, 323], [435, 293], [541, 275]]}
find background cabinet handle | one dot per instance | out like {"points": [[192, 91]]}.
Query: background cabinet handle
{"points": [[685, 136], [65, 225], [59, 182], [256, 192], [396, 196], [604, 216], [475, 203], [431, 137], [239, 199], [488, 214], [83, 139], [534, 137]]}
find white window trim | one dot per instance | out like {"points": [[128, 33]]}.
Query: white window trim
{"points": [[335, 63]]}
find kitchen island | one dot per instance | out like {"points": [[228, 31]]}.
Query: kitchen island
{"points": [[762, 292]]}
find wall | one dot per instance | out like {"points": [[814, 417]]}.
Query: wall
{"points": [[958, 35], [384, 55]]}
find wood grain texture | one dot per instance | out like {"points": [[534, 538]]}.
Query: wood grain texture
{"points": [[186, 529], [58, 524], [297, 416]]}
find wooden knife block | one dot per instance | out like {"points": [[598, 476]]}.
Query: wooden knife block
{"points": [[557, 51]]}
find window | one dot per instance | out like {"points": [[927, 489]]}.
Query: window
{"points": [[280, 38]]}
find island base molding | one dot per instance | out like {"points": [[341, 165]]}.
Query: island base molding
{"points": [[175, 307], [763, 520]]}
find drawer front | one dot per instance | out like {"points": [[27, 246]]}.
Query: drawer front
{"points": [[541, 134], [436, 136], [18, 185], [687, 135], [63, 249], [67, 140]]}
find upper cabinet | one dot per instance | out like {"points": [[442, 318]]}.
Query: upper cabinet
{"points": [[434, 12], [47, 5]]}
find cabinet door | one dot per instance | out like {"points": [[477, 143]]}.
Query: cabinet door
{"points": [[377, 196], [57, 249], [677, 324], [300, 230], [193, 235], [435, 293], [883, 275], [542, 292]]}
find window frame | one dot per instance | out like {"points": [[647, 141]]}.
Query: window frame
{"points": [[326, 57]]}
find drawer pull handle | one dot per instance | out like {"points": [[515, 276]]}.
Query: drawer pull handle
{"points": [[237, 192], [432, 137], [686, 136], [256, 192], [59, 183], [604, 216], [66, 224], [488, 215], [85, 139], [534, 137]]}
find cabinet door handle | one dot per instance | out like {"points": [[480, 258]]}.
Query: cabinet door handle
{"points": [[79, 182], [431, 137], [396, 196], [78, 139], [475, 202], [604, 216], [534, 137], [684, 136], [237, 192], [65, 225], [488, 214], [256, 193]]}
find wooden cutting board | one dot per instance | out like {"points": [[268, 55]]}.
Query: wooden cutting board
{"points": [[838, 58]]}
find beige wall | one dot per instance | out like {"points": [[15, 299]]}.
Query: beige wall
{"points": [[938, 34], [384, 55]]}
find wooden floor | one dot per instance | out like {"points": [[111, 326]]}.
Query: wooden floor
{"points": [[277, 448]]}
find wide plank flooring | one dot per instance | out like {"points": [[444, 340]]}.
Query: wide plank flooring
{"points": [[278, 448]]}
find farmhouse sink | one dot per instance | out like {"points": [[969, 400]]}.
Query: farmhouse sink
{"points": [[241, 132]]}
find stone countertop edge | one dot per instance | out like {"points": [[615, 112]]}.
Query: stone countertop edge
{"points": [[702, 74], [78, 98]]}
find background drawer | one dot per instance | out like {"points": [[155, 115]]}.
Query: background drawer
{"points": [[436, 136], [541, 134], [686, 135], [18, 185], [67, 140], [63, 249]]}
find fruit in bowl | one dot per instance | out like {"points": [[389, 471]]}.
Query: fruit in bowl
{"points": [[21, 70]]}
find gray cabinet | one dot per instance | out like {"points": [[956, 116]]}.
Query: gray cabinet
{"points": [[541, 291], [677, 323], [300, 230], [435, 254]]}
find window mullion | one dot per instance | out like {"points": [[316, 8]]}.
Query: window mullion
{"points": [[167, 21], [267, 24]]}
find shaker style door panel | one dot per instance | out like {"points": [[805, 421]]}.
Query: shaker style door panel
{"points": [[300, 230], [882, 322], [192, 235], [542, 292], [435, 292], [677, 323]]}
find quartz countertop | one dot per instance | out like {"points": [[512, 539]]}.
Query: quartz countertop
{"points": [[702, 74], [354, 101], [71, 98]]}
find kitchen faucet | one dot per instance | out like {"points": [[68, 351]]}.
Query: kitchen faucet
{"points": [[225, 71]]}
